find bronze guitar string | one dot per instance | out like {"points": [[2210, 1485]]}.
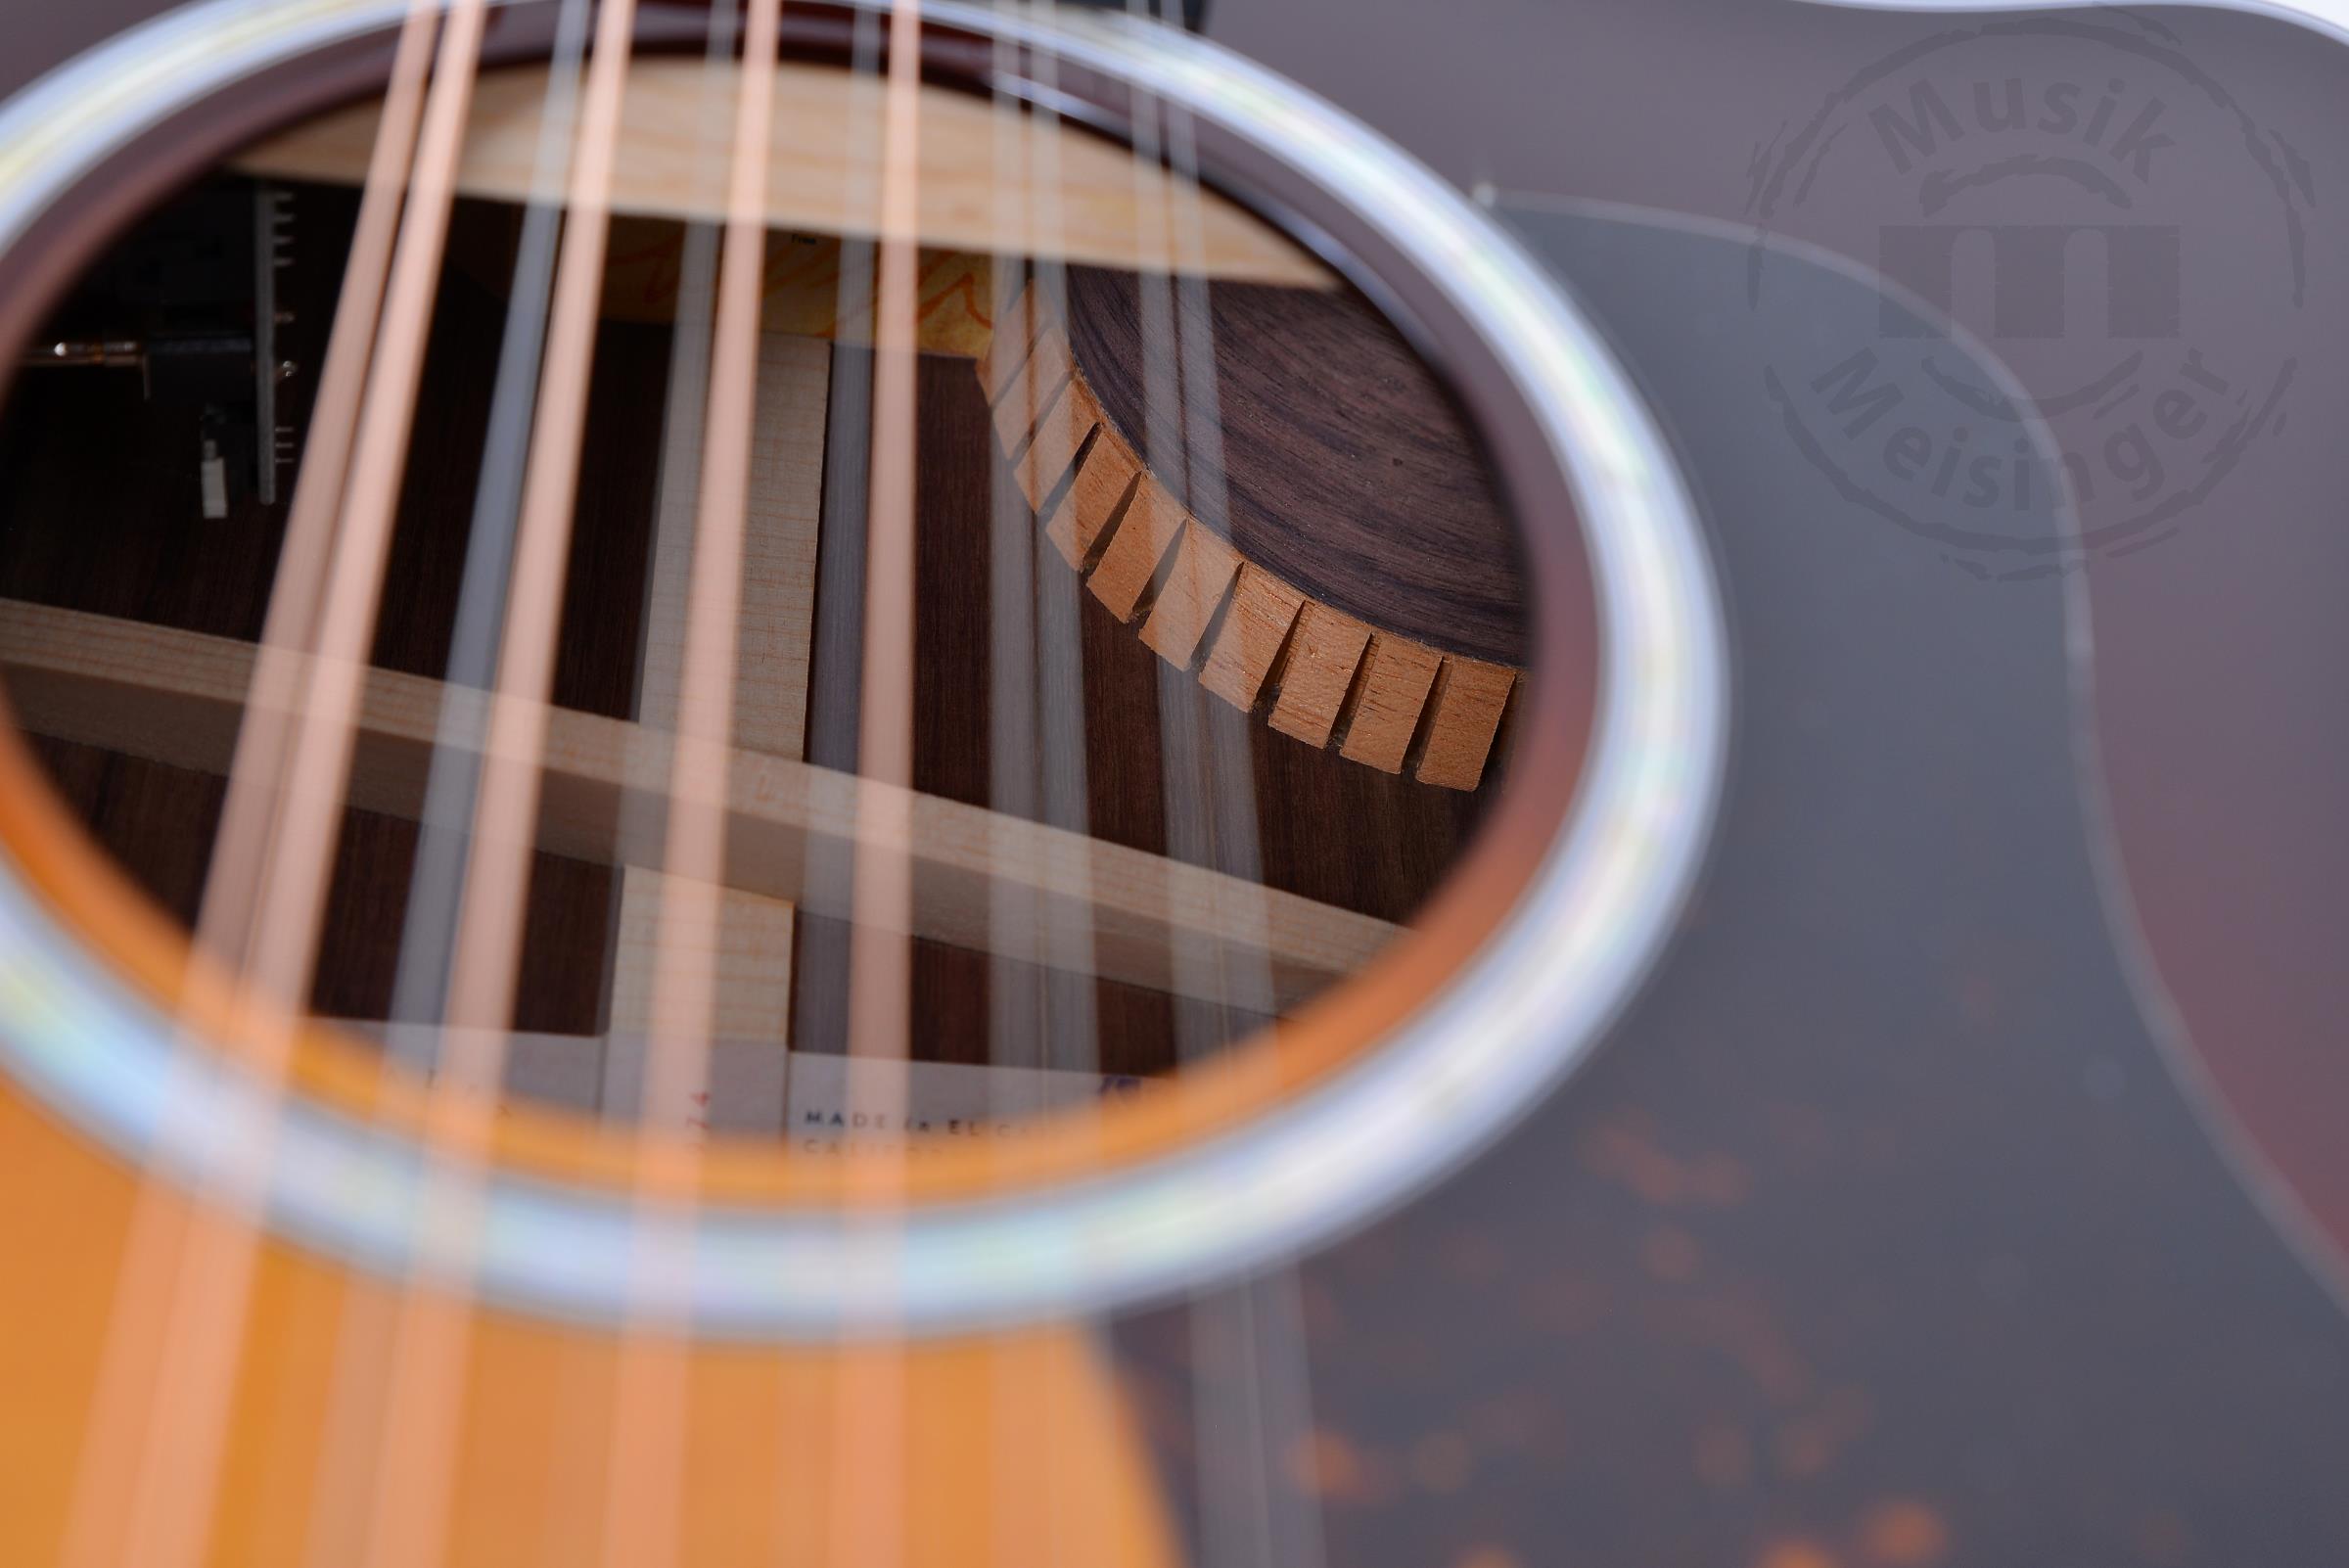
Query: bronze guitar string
{"points": [[164, 1458]]}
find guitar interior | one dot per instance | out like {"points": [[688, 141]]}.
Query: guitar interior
{"points": [[1215, 624]]}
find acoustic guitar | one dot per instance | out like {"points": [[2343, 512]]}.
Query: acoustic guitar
{"points": [[917, 784]]}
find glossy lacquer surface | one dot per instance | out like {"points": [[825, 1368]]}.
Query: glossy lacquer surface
{"points": [[1894, 1225], [2215, 570], [1880, 1231]]}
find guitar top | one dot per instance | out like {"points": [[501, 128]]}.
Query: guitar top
{"points": [[862, 785]]}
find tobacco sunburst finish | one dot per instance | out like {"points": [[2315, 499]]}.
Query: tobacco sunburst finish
{"points": [[1881, 1235]]}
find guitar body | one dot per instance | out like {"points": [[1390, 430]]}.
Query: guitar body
{"points": [[1839, 1248], [1931, 1197]]}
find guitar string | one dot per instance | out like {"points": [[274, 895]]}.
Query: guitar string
{"points": [[1071, 997], [491, 909], [147, 1479], [1070, 979], [1070, 985], [1197, 782], [1009, 706], [870, 1456], [693, 854], [417, 1481], [1018, 1025], [644, 1513], [224, 922], [819, 979], [819, 999], [879, 989], [1250, 1384], [302, 855], [681, 498], [1013, 1013], [350, 1457], [576, 1448], [899, 287], [1220, 1379], [420, 981], [1041, 1008]]}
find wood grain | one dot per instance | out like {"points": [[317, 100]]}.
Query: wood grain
{"points": [[1315, 811], [1256, 628], [1088, 509], [1392, 694], [750, 958], [1199, 577], [1059, 436], [1161, 559], [1104, 207], [1465, 712], [803, 295], [1006, 350], [178, 697], [766, 1482], [1348, 472], [1154, 519], [85, 533], [784, 507], [1325, 650], [1030, 391]]}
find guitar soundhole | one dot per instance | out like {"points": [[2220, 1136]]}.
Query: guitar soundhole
{"points": [[1193, 675]]}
